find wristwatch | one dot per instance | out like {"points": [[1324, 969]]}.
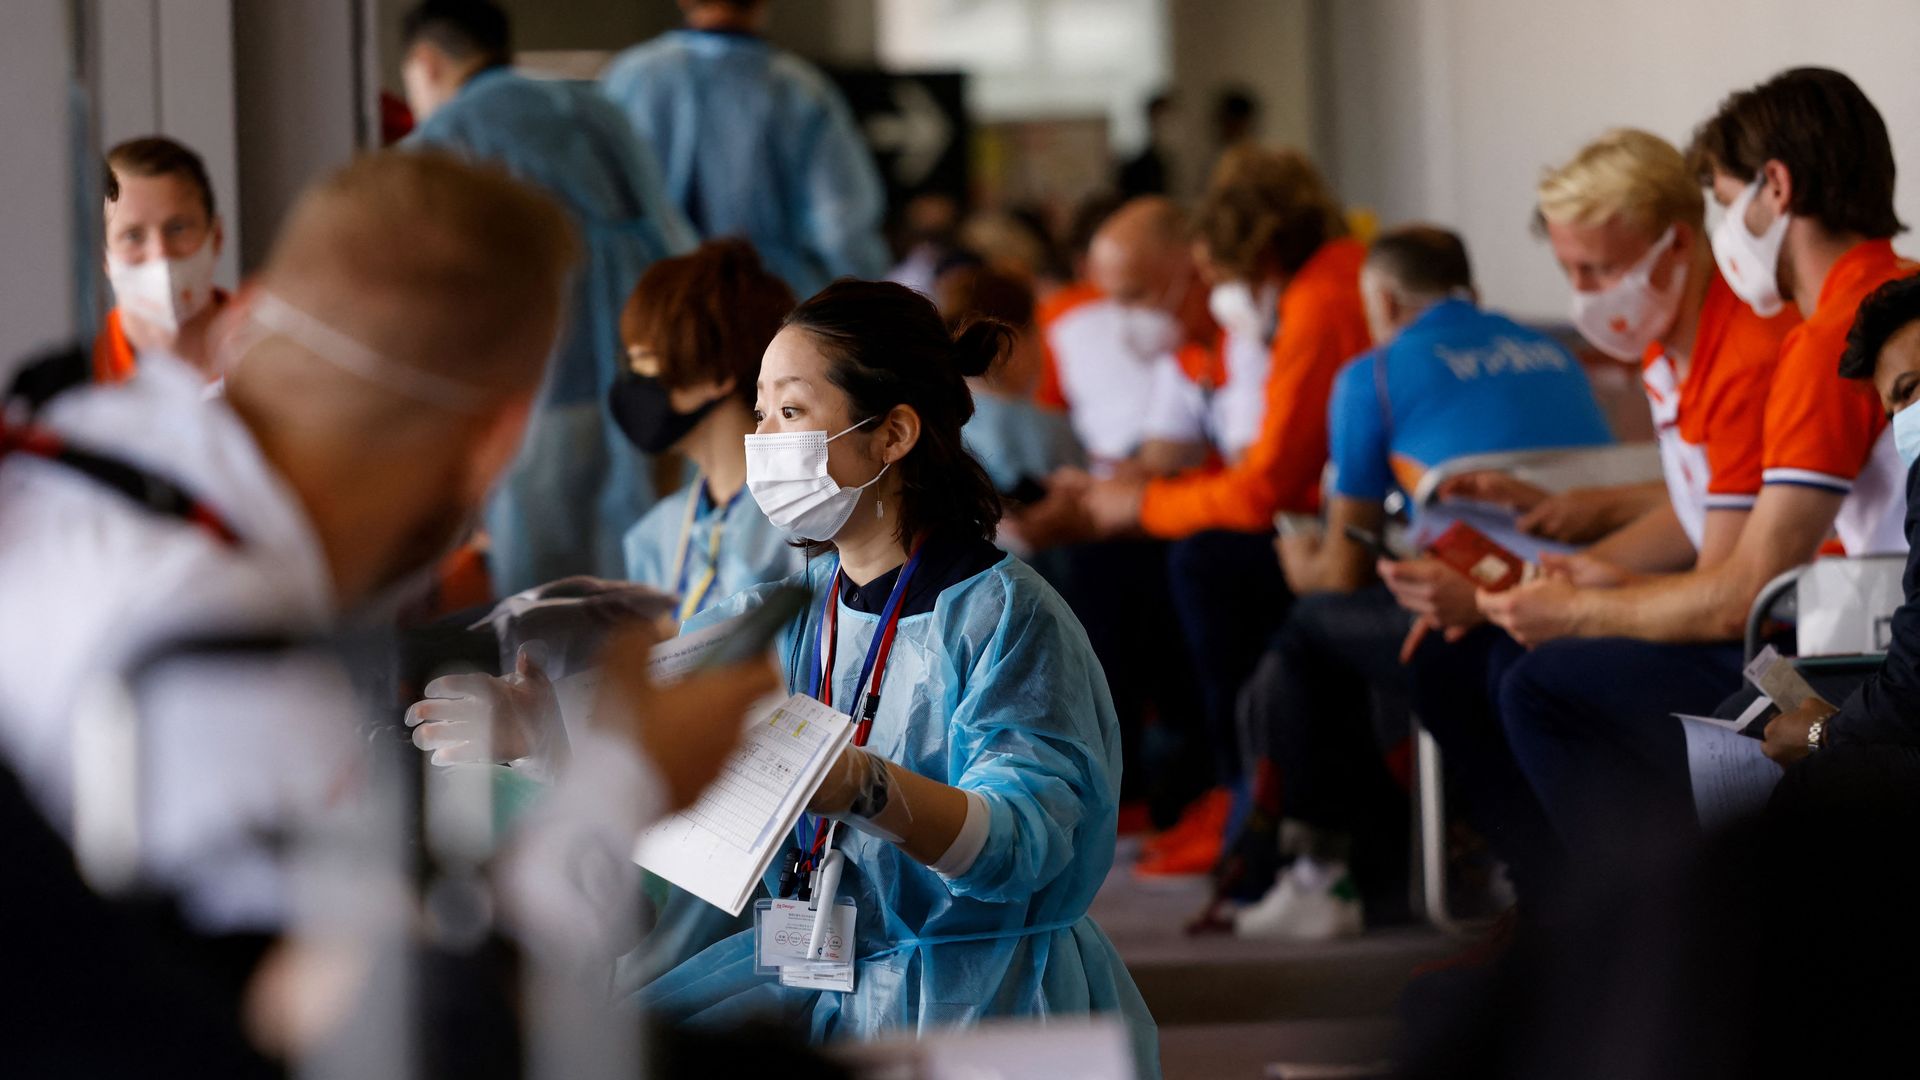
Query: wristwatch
{"points": [[1817, 733]]}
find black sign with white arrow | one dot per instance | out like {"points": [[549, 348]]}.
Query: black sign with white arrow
{"points": [[917, 126]]}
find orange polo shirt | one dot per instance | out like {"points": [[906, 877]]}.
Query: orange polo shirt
{"points": [[113, 357], [1710, 425], [1049, 394], [112, 353], [1823, 431], [1322, 325]]}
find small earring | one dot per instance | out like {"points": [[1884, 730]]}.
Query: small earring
{"points": [[879, 508]]}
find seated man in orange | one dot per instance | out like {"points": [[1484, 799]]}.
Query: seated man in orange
{"points": [[1268, 220], [163, 237]]}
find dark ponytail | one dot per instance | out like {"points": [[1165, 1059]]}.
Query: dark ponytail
{"points": [[886, 345]]}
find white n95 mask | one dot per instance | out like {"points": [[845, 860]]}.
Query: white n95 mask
{"points": [[164, 292], [787, 474], [1906, 434], [1148, 333], [1242, 312], [1622, 319], [1751, 264]]}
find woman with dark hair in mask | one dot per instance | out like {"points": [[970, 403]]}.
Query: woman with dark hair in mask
{"points": [[973, 820], [694, 330]]}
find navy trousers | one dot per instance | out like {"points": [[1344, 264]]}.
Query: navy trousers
{"points": [[1591, 725]]}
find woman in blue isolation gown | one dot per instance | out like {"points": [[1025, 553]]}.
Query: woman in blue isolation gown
{"points": [[977, 822]]}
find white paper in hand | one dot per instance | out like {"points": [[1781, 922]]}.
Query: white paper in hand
{"points": [[1732, 775], [718, 848]]}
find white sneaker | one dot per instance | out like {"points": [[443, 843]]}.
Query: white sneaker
{"points": [[1310, 906]]}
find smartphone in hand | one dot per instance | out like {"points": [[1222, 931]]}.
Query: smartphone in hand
{"points": [[1373, 542]]}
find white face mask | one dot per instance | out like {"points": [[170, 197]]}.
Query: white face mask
{"points": [[164, 292], [1624, 318], [1244, 313], [1149, 333], [1906, 434], [787, 474], [1751, 264]]}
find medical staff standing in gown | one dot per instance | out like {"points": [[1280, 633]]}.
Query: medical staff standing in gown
{"points": [[578, 485], [978, 820], [756, 143]]}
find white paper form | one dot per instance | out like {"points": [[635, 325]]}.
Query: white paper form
{"points": [[676, 656], [718, 848], [1732, 775], [1739, 723]]}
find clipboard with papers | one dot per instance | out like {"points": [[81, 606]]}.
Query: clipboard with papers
{"points": [[719, 848]]}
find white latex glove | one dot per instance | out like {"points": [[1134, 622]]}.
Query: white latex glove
{"points": [[492, 719], [572, 619]]}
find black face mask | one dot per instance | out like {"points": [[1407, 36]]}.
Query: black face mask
{"points": [[644, 411]]}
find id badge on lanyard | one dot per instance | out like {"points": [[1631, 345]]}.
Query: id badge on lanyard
{"points": [[813, 964]]}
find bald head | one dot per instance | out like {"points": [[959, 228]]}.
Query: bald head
{"points": [[1141, 251]]}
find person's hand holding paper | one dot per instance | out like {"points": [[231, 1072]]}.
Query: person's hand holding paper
{"points": [[1789, 736], [1786, 735]]}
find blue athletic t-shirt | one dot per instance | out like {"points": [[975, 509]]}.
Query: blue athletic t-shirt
{"points": [[1457, 381]]}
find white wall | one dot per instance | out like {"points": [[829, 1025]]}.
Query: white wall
{"points": [[1449, 109], [298, 103], [167, 69], [36, 217]]}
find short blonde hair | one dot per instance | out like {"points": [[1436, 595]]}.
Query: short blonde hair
{"points": [[1626, 173], [453, 268]]}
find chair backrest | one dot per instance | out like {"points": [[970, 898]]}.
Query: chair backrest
{"points": [[1844, 607], [1554, 470]]}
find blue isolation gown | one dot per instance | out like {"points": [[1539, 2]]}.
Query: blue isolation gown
{"points": [[739, 548], [733, 545], [1015, 439], [578, 484], [996, 691], [758, 143]]}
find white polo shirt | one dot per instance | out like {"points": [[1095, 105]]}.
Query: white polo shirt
{"points": [[1104, 355]]}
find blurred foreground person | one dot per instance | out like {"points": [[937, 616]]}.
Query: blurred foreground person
{"points": [[756, 143], [163, 236], [578, 485], [381, 372]]}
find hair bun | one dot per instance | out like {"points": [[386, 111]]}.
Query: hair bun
{"points": [[978, 344]]}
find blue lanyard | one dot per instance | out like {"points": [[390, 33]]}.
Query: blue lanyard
{"points": [[829, 626]]}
